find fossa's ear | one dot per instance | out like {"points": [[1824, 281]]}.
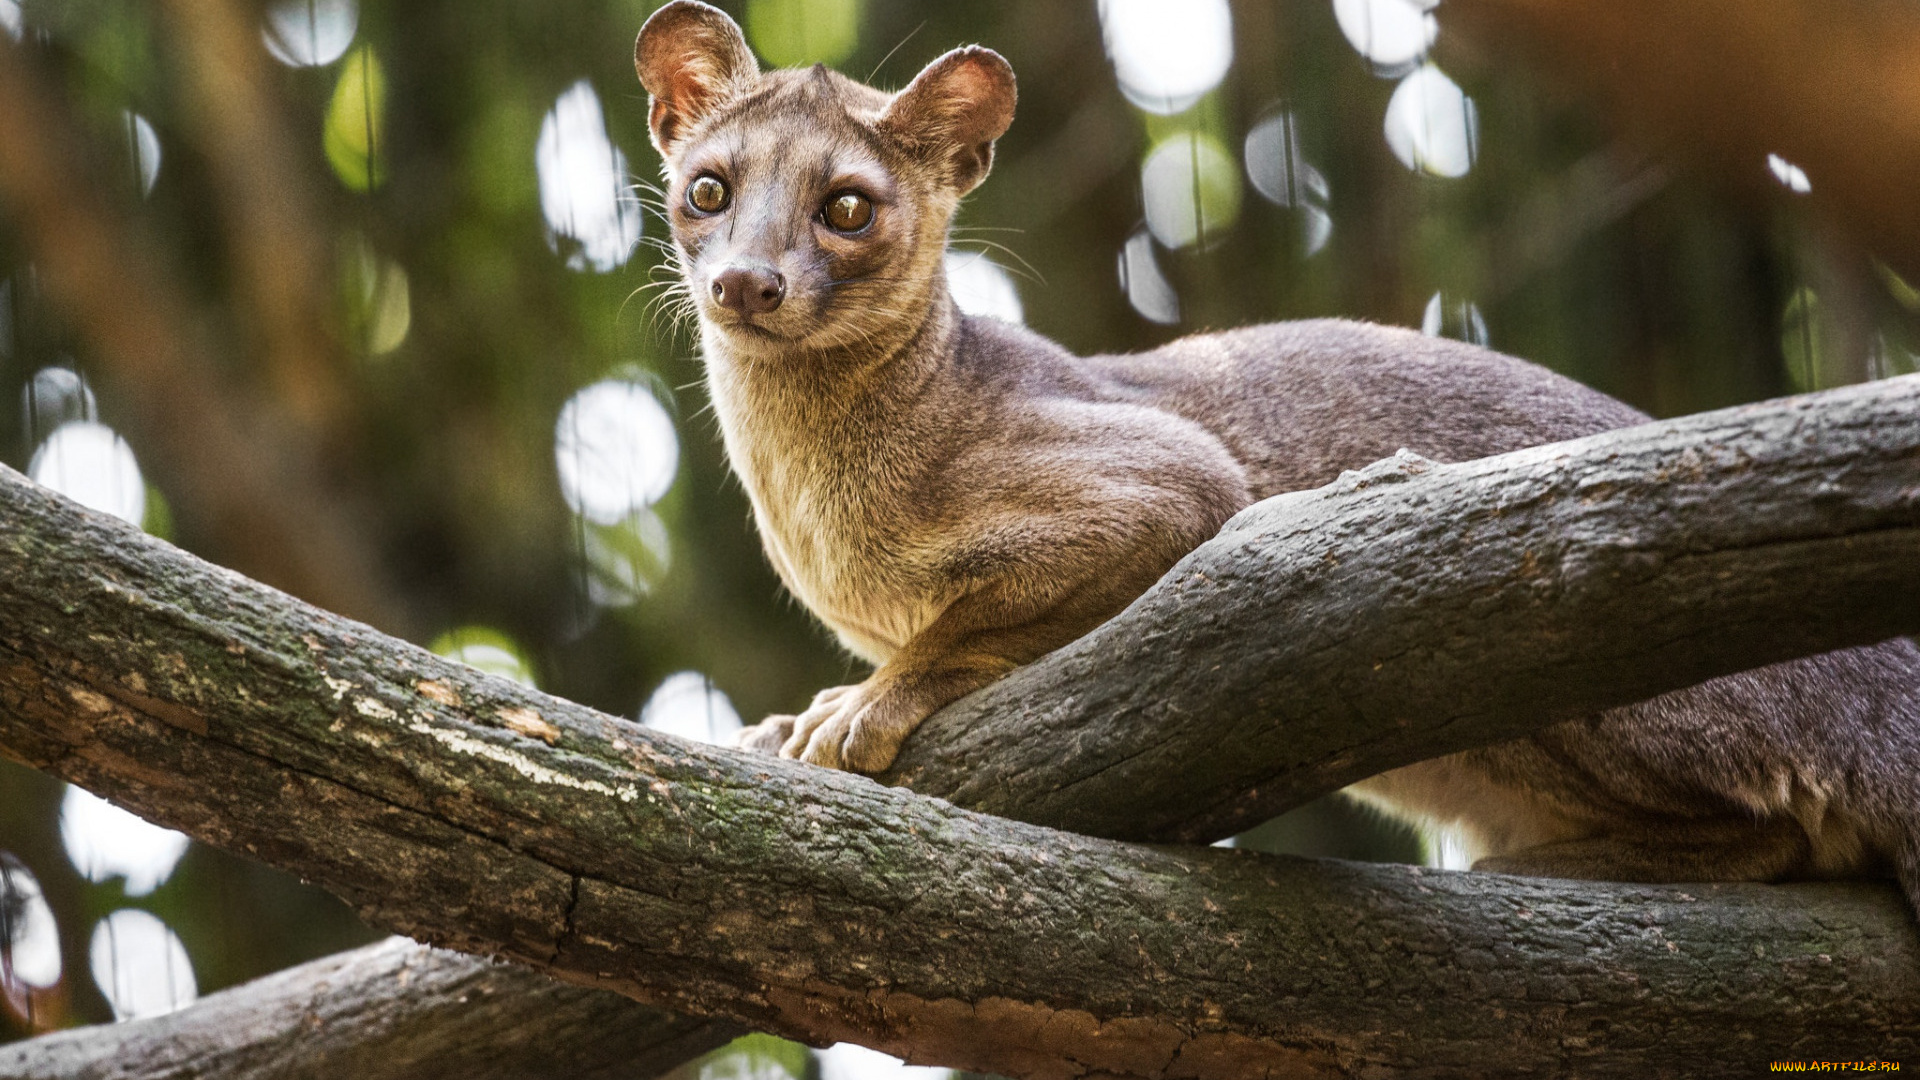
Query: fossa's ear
{"points": [[691, 57], [952, 111]]}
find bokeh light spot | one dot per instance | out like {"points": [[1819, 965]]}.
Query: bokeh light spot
{"points": [[158, 520], [592, 215], [485, 649], [379, 303], [1432, 126], [757, 1057], [104, 841], [1808, 342], [1282, 175], [688, 705], [1167, 53], [91, 464], [1316, 228], [140, 965], [310, 33], [355, 136], [1191, 187], [1885, 360], [1391, 34], [1275, 166], [143, 150], [1902, 290], [29, 937], [794, 33], [1447, 849], [54, 396], [616, 450], [1147, 288], [1455, 318], [981, 286], [850, 1061], [10, 18], [1789, 174], [625, 561]]}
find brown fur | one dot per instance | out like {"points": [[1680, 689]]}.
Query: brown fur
{"points": [[957, 496]]}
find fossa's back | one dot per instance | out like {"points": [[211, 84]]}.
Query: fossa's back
{"points": [[1297, 403], [1803, 769]]}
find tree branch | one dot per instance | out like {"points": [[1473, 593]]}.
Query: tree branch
{"points": [[1411, 610], [388, 1011], [456, 807]]}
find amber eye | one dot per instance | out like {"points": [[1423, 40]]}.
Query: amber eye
{"points": [[707, 195], [848, 212]]}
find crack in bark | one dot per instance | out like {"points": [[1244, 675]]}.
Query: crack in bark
{"points": [[566, 923]]}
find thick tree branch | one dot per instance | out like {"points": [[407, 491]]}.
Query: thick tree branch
{"points": [[1411, 610], [452, 806], [391, 1011]]}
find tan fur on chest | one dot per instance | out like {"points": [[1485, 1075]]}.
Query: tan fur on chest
{"points": [[872, 595], [864, 567]]}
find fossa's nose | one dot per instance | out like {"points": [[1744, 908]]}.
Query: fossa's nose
{"points": [[749, 290]]}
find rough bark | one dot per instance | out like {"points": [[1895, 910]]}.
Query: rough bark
{"points": [[463, 809], [391, 1011], [1411, 610]]}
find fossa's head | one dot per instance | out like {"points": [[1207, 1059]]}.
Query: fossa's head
{"points": [[811, 211]]}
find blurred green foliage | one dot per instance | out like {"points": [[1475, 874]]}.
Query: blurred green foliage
{"points": [[355, 124], [794, 33], [468, 331], [754, 1057]]}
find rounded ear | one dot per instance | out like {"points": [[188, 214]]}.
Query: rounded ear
{"points": [[953, 111], [691, 57]]}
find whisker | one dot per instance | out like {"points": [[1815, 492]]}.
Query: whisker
{"points": [[895, 49], [1025, 269]]}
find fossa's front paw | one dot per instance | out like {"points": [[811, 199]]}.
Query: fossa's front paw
{"points": [[767, 736], [850, 727]]}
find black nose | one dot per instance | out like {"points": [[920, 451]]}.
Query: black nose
{"points": [[749, 290]]}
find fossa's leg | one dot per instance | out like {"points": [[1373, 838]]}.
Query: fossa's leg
{"points": [[977, 640], [861, 727]]}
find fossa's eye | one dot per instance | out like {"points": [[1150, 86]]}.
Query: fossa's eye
{"points": [[708, 194], [848, 212]]}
